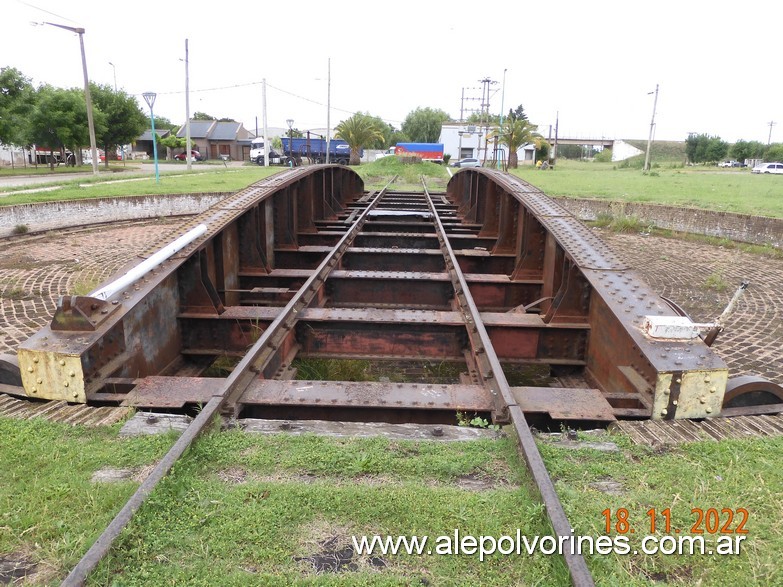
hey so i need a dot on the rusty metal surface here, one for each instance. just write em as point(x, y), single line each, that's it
point(564, 404)
point(673, 432)
point(60, 411)
point(341, 394)
point(171, 392)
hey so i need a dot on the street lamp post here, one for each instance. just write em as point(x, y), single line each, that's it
point(290, 123)
point(114, 68)
point(149, 98)
point(87, 97)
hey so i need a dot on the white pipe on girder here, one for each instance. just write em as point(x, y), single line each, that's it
point(142, 268)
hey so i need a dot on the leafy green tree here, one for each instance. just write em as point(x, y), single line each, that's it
point(388, 132)
point(542, 150)
point(517, 113)
point(478, 118)
point(397, 137)
point(774, 152)
point(124, 119)
point(704, 148)
point(172, 142)
point(59, 120)
point(202, 116)
point(359, 131)
point(742, 150)
point(515, 133)
point(16, 101)
point(423, 125)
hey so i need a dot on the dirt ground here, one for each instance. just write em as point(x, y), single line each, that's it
point(702, 278)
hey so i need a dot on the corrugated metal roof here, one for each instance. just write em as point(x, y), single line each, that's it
point(147, 136)
point(224, 131)
point(199, 129)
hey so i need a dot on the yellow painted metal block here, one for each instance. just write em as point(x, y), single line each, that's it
point(51, 375)
point(692, 394)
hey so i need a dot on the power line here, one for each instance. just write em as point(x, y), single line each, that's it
point(268, 85)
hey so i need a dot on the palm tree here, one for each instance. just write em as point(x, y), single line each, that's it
point(515, 133)
point(358, 130)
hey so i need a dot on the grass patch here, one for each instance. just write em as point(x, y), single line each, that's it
point(244, 509)
point(409, 175)
point(698, 187)
point(259, 510)
point(716, 281)
point(48, 506)
point(730, 474)
point(203, 179)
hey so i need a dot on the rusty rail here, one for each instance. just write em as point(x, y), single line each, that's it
point(239, 379)
point(494, 380)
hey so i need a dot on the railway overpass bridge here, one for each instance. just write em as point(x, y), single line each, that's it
point(604, 142)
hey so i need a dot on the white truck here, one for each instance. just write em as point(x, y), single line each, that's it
point(386, 153)
point(257, 146)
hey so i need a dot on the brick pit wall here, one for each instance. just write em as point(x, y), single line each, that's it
point(757, 230)
point(47, 216)
point(43, 217)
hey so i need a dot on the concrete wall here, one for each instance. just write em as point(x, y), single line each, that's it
point(47, 216)
point(759, 230)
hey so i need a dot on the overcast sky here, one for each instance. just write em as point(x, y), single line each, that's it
point(717, 63)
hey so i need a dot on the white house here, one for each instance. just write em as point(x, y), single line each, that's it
point(466, 140)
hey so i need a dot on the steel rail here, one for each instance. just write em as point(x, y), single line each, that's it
point(239, 379)
point(494, 378)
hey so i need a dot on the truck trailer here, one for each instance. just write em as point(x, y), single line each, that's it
point(314, 150)
point(426, 151)
point(310, 149)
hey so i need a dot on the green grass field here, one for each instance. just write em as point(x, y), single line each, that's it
point(243, 509)
point(729, 190)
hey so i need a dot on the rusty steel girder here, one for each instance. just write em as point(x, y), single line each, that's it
point(583, 281)
point(548, 290)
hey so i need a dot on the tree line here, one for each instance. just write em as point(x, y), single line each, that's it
point(704, 148)
point(57, 118)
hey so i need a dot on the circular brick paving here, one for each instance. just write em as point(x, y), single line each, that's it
point(35, 271)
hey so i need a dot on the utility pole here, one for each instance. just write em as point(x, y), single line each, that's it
point(266, 137)
point(502, 106)
point(328, 106)
point(554, 149)
point(87, 98)
point(187, 110)
point(769, 138)
point(484, 120)
point(652, 127)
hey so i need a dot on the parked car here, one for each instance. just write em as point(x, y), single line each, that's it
point(469, 162)
point(774, 167)
point(731, 163)
point(195, 155)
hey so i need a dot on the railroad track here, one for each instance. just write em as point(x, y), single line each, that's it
point(490, 389)
point(490, 276)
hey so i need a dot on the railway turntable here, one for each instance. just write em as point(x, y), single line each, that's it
point(490, 279)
